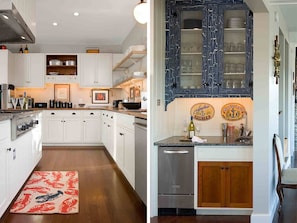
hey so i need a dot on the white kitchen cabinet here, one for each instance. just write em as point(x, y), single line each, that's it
point(108, 132)
point(29, 70)
point(6, 66)
point(71, 127)
point(4, 150)
point(92, 126)
point(95, 70)
point(125, 146)
point(62, 127)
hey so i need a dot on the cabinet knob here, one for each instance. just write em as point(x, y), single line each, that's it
point(73, 113)
point(121, 134)
point(53, 113)
point(205, 84)
point(91, 113)
point(8, 149)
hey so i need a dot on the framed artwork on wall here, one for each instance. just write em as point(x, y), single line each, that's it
point(100, 96)
point(62, 92)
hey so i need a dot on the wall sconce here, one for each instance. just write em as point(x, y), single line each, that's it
point(141, 12)
point(276, 58)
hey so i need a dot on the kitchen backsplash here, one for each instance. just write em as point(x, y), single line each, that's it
point(210, 127)
point(77, 94)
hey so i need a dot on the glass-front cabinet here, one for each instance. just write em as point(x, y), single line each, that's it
point(208, 49)
point(191, 49)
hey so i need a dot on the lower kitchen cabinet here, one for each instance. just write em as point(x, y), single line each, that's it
point(125, 146)
point(91, 126)
point(4, 151)
point(225, 184)
point(71, 127)
point(107, 126)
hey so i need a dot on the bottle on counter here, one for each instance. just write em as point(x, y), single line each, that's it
point(191, 129)
point(21, 50)
point(26, 50)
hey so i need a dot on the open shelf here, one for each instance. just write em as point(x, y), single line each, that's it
point(130, 59)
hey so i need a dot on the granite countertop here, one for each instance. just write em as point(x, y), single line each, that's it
point(139, 113)
point(211, 141)
point(7, 114)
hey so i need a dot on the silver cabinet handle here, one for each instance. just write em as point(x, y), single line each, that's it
point(176, 151)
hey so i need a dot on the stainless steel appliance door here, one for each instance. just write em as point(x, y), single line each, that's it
point(176, 170)
point(141, 158)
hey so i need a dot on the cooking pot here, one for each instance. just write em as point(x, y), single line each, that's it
point(55, 62)
point(70, 63)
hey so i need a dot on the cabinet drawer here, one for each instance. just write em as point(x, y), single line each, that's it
point(125, 120)
point(59, 113)
point(92, 113)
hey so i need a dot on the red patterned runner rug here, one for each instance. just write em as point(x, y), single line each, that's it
point(49, 192)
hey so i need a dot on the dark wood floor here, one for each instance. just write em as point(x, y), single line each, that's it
point(104, 195)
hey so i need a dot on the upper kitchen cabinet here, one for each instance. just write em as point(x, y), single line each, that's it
point(95, 69)
point(208, 49)
point(61, 68)
point(6, 66)
point(28, 71)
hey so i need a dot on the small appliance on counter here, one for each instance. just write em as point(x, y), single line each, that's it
point(6, 92)
point(115, 103)
point(40, 105)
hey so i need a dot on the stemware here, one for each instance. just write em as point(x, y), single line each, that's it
point(14, 102)
point(22, 102)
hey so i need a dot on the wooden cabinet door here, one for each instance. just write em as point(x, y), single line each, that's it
point(225, 184)
point(211, 184)
point(239, 184)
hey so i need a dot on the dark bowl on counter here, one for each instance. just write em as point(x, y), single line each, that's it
point(132, 105)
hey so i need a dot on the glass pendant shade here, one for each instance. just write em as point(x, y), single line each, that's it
point(141, 12)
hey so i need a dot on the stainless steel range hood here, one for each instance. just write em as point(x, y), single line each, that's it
point(13, 28)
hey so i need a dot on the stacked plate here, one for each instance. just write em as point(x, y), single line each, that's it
point(236, 23)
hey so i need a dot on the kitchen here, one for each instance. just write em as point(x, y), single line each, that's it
point(263, 109)
point(124, 74)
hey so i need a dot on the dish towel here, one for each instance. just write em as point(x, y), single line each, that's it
point(198, 139)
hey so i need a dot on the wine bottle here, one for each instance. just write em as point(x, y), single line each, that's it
point(191, 128)
point(26, 50)
point(21, 49)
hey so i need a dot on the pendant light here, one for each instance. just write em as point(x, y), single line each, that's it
point(141, 12)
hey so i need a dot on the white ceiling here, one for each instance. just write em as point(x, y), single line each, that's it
point(101, 22)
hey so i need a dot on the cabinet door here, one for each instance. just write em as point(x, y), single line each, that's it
point(120, 142)
point(53, 130)
point(92, 129)
point(104, 77)
point(239, 184)
point(72, 130)
point(21, 75)
point(4, 146)
point(36, 70)
point(235, 54)
point(88, 69)
point(211, 184)
point(129, 156)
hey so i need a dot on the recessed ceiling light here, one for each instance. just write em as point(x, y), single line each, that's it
point(22, 37)
point(76, 13)
point(5, 16)
point(55, 23)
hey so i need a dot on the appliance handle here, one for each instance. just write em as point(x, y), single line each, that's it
point(175, 151)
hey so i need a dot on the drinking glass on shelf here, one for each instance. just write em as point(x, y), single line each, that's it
point(14, 102)
point(22, 102)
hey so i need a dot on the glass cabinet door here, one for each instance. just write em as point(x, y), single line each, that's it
point(234, 63)
point(191, 49)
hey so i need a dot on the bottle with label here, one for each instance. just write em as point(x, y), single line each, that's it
point(21, 50)
point(26, 50)
point(191, 129)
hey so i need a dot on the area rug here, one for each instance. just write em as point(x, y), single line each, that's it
point(49, 192)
